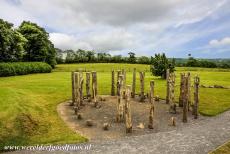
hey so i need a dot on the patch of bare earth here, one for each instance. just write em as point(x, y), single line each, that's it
point(107, 114)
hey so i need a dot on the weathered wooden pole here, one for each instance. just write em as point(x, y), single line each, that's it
point(134, 83)
point(73, 89)
point(189, 90)
point(88, 85)
point(142, 84)
point(94, 88)
point(81, 88)
point(120, 104)
point(128, 120)
point(124, 78)
point(167, 86)
point(181, 89)
point(77, 94)
point(185, 99)
point(151, 101)
point(172, 93)
point(118, 74)
point(113, 84)
point(94, 82)
point(196, 96)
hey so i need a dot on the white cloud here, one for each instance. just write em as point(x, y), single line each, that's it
point(222, 42)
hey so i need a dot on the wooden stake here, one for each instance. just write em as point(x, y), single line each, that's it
point(128, 120)
point(185, 99)
point(181, 89)
point(142, 94)
point(118, 74)
point(94, 88)
point(88, 85)
point(167, 84)
point(151, 101)
point(81, 88)
point(113, 84)
point(134, 83)
point(77, 94)
point(73, 89)
point(189, 90)
point(196, 96)
point(124, 78)
point(120, 104)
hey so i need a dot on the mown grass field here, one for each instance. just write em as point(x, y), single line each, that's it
point(28, 103)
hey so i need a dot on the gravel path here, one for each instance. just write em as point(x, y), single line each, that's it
point(199, 138)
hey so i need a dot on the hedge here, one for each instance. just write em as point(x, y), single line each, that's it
point(22, 68)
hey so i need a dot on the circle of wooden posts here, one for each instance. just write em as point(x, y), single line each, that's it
point(124, 93)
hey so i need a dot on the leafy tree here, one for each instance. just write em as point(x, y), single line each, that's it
point(38, 47)
point(11, 43)
point(143, 60)
point(132, 58)
point(160, 64)
point(91, 56)
point(192, 62)
point(70, 56)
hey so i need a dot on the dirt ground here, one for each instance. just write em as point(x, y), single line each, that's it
point(107, 114)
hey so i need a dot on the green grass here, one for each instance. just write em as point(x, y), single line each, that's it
point(224, 149)
point(28, 103)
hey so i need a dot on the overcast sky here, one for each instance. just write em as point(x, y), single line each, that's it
point(176, 27)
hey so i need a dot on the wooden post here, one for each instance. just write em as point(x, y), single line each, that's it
point(94, 88)
point(77, 94)
point(88, 85)
point(172, 93)
point(151, 101)
point(128, 120)
point(73, 89)
point(189, 90)
point(113, 84)
point(118, 74)
point(81, 88)
point(120, 104)
point(167, 86)
point(142, 83)
point(196, 96)
point(181, 89)
point(134, 83)
point(124, 78)
point(185, 99)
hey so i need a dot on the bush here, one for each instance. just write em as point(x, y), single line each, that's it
point(22, 68)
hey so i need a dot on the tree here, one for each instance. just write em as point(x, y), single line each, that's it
point(11, 43)
point(132, 58)
point(38, 47)
point(160, 64)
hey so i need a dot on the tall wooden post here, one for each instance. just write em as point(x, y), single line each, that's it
point(94, 88)
point(81, 88)
point(124, 78)
point(142, 94)
point(151, 101)
point(167, 86)
point(118, 74)
point(134, 83)
point(189, 91)
point(172, 93)
point(88, 85)
point(113, 84)
point(120, 104)
point(185, 99)
point(196, 96)
point(128, 120)
point(73, 88)
point(77, 94)
point(181, 89)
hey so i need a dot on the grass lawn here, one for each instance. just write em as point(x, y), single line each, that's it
point(224, 149)
point(28, 103)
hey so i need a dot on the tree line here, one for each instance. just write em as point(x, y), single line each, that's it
point(28, 42)
point(85, 56)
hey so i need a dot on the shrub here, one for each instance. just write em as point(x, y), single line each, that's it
point(22, 68)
